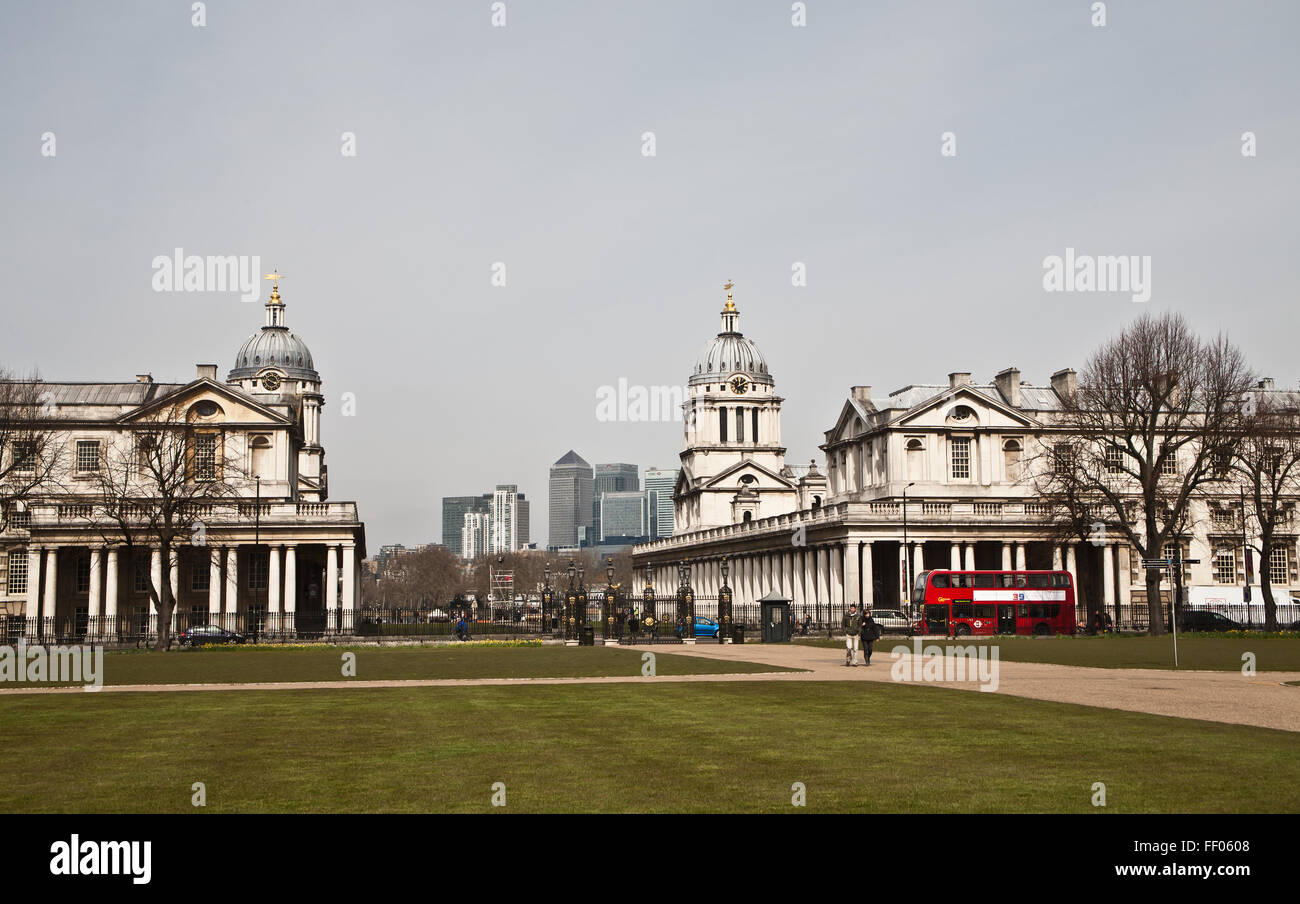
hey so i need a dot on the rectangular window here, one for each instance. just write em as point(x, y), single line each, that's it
point(19, 520)
point(258, 562)
point(1063, 458)
point(1225, 566)
point(1222, 462)
point(200, 576)
point(754, 434)
point(722, 424)
point(17, 572)
point(961, 458)
point(87, 456)
point(205, 456)
point(83, 574)
point(141, 573)
point(24, 457)
point(1169, 465)
point(1277, 566)
point(1114, 460)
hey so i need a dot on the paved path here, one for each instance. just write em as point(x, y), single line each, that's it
point(1262, 700)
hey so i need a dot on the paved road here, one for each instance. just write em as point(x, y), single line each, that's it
point(1261, 700)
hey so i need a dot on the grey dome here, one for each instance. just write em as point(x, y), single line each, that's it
point(274, 347)
point(727, 354)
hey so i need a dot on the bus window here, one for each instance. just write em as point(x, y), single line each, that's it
point(1024, 611)
point(984, 610)
point(1006, 579)
point(1020, 580)
point(984, 580)
point(1053, 610)
point(1061, 580)
point(937, 617)
point(961, 609)
point(959, 580)
point(1038, 580)
point(939, 580)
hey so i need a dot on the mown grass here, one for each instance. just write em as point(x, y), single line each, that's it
point(1197, 651)
point(435, 661)
point(699, 747)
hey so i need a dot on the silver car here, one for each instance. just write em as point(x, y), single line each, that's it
point(891, 621)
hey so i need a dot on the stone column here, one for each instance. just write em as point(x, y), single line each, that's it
point(332, 585)
point(1072, 567)
point(33, 608)
point(852, 571)
point(273, 619)
point(1056, 557)
point(94, 607)
point(1123, 568)
point(232, 588)
point(906, 593)
point(1108, 576)
point(868, 580)
point(290, 586)
point(175, 581)
point(835, 575)
point(155, 580)
point(969, 551)
point(349, 583)
point(110, 591)
point(214, 585)
point(1006, 556)
point(955, 556)
point(51, 606)
point(918, 562)
point(1020, 557)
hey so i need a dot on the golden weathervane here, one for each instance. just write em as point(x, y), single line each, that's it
point(730, 304)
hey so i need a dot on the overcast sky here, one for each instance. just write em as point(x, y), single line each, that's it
point(522, 144)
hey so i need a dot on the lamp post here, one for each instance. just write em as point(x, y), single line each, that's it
point(907, 555)
point(724, 605)
point(610, 602)
point(580, 608)
point(546, 598)
point(648, 616)
point(570, 608)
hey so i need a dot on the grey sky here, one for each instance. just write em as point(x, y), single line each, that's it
point(522, 144)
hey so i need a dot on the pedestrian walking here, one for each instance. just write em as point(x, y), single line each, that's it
point(852, 625)
point(870, 634)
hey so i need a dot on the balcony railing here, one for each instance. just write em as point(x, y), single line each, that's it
point(269, 513)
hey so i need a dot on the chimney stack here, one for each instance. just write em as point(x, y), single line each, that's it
point(1008, 383)
point(958, 379)
point(1265, 384)
point(144, 378)
point(1065, 382)
point(861, 394)
point(207, 371)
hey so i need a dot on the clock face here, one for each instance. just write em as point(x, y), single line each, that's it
point(271, 382)
point(739, 385)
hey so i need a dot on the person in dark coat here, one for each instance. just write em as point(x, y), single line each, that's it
point(870, 634)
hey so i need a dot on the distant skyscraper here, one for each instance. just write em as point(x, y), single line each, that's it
point(659, 483)
point(623, 517)
point(505, 519)
point(611, 478)
point(476, 534)
point(453, 516)
point(571, 491)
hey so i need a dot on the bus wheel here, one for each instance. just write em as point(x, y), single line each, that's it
point(961, 630)
point(1041, 629)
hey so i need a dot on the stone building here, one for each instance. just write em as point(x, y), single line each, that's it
point(949, 464)
point(273, 553)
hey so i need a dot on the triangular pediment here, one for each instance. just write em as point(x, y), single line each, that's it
point(990, 412)
point(730, 478)
point(235, 407)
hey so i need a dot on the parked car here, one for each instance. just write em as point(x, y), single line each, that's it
point(204, 634)
point(1194, 620)
point(891, 621)
point(704, 627)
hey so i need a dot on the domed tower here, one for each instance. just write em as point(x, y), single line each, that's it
point(276, 368)
point(733, 458)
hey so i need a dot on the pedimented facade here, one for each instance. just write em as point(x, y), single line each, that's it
point(960, 456)
point(271, 553)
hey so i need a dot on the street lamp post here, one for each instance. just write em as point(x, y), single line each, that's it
point(907, 556)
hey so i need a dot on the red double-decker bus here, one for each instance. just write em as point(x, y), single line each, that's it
point(959, 603)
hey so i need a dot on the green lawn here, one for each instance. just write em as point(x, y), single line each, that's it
point(711, 746)
point(1279, 654)
point(240, 664)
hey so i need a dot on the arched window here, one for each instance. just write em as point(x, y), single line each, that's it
point(1011, 452)
point(263, 460)
point(915, 459)
point(749, 516)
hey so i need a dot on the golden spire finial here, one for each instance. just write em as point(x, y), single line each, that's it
point(731, 306)
point(275, 276)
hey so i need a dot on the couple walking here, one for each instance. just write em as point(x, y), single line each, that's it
point(858, 630)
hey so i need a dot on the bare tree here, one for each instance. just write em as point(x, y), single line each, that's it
point(156, 489)
point(1265, 457)
point(29, 458)
point(1138, 437)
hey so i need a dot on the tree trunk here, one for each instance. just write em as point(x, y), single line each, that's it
point(1266, 581)
point(1155, 605)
